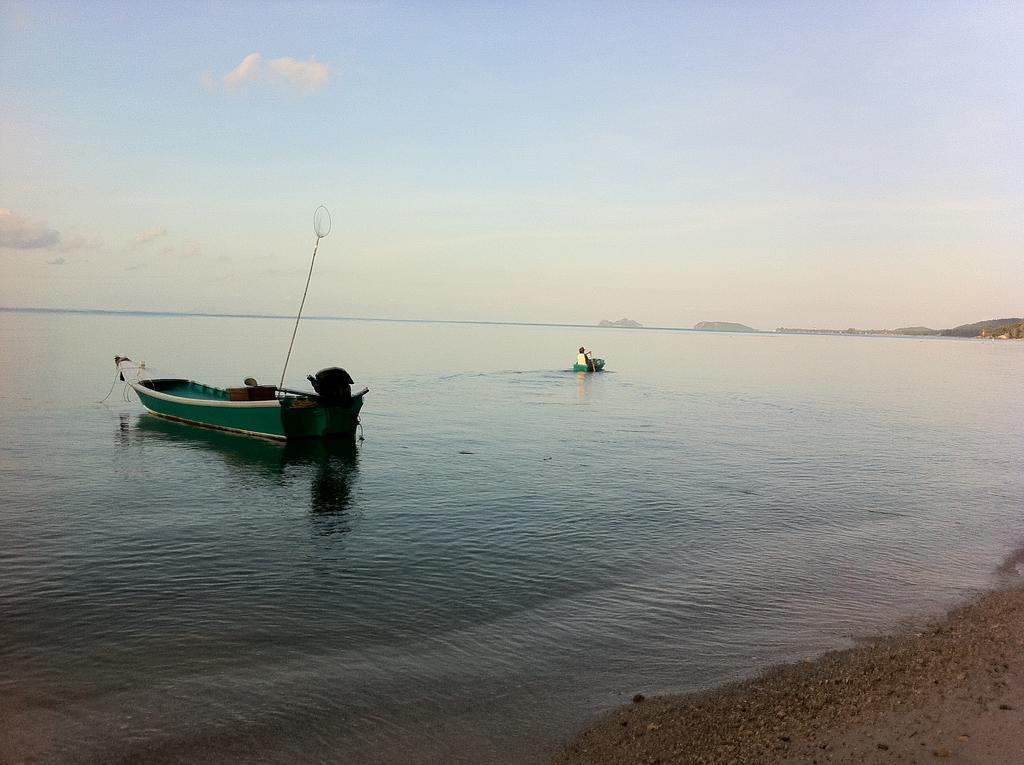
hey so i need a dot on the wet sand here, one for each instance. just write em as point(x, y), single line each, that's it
point(951, 692)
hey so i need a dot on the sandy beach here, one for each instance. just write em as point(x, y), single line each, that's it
point(950, 692)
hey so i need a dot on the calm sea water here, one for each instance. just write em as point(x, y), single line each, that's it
point(513, 548)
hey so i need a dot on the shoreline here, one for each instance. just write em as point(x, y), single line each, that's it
point(952, 690)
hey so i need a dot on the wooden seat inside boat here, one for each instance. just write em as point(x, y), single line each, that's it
point(253, 393)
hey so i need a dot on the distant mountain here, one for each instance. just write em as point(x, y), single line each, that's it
point(722, 326)
point(1009, 332)
point(914, 331)
point(989, 328)
point(629, 323)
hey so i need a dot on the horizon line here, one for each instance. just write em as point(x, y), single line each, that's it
point(213, 315)
point(491, 322)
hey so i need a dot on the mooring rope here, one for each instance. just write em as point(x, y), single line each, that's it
point(117, 373)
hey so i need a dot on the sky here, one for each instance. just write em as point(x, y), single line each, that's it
point(798, 164)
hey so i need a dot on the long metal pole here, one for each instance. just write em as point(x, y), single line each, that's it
point(299, 316)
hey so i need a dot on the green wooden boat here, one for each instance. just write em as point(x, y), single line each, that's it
point(255, 410)
point(598, 366)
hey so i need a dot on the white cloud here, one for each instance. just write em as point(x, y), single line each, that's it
point(20, 233)
point(299, 76)
point(56, 262)
point(249, 70)
point(154, 232)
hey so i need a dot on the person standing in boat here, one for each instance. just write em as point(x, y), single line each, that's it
point(585, 359)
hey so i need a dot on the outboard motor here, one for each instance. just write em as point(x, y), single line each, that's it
point(333, 385)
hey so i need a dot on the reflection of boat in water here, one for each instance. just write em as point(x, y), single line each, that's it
point(331, 464)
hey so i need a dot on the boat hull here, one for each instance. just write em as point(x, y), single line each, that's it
point(283, 419)
point(598, 366)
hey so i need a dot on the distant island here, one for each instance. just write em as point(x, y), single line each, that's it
point(628, 323)
point(1003, 329)
point(722, 326)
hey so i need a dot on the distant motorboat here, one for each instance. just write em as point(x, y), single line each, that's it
point(598, 366)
